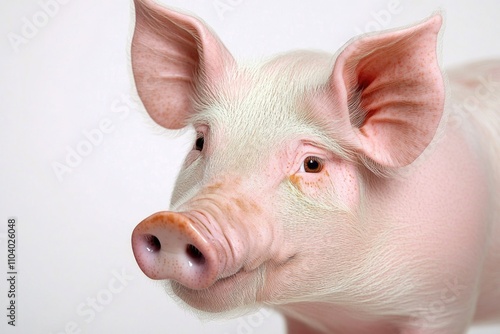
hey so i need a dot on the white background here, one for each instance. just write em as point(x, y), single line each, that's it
point(71, 75)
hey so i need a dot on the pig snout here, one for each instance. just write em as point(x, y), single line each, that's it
point(169, 245)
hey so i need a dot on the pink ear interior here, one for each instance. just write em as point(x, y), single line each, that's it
point(392, 90)
point(171, 53)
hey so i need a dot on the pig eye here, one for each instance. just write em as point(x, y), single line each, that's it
point(200, 141)
point(312, 165)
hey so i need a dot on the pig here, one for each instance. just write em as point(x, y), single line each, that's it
point(353, 193)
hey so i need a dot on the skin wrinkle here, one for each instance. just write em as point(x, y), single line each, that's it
point(209, 229)
point(216, 206)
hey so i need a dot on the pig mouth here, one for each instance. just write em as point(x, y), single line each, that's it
point(223, 281)
point(226, 292)
point(216, 298)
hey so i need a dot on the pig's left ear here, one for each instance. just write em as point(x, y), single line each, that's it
point(390, 87)
point(172, 55)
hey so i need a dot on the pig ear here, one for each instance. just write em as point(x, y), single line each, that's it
point(172, 53)
point(391, 89)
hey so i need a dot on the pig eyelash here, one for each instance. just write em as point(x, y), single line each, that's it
point(311, 164)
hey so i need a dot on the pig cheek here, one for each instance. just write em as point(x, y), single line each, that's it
point(318, 214)
point(346, 183)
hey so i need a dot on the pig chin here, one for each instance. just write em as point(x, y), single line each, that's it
point(224, 295)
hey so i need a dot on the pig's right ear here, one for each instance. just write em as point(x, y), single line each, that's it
point(389, 87)
point(172, 53)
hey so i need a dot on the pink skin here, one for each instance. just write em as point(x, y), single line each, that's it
point(347, 198)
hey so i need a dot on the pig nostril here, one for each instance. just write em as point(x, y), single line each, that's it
point(195, 254)
point(153, 245)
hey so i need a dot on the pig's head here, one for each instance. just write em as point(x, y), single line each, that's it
point(268, 207)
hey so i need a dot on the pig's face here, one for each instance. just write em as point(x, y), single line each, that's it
point(269, 205)
point(267, 174)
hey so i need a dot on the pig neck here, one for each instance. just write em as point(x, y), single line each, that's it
point(450, 199)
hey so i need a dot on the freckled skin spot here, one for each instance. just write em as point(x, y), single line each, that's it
point(247, 206)
point(159, 220)
point(226, 207)
point(242, 205)
point(213, 187)
point(256, 208)
point(295, 179)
